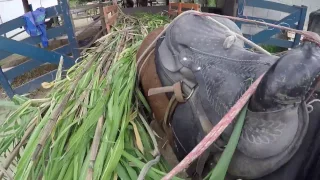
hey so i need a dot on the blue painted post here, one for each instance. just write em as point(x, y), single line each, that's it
point(68, 24)
point(33, 52)
point(240, 12)
point(302, 18)
point(5, 84)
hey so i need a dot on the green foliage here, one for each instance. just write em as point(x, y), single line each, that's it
point(211, 3)
point(273, 49)
point(101, 93)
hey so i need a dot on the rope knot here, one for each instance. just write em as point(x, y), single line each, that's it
point(230, 40)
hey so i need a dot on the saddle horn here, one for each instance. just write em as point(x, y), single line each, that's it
point(289, 79)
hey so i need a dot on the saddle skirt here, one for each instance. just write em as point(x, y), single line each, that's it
point(192, 52)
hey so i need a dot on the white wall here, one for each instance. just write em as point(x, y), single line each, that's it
point(45, 3)
point(11, 9)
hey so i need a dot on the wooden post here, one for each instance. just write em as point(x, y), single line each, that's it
point(26, 6)
point(179, 8)
point(103, 22)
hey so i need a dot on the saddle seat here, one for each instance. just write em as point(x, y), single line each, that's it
point(192, 52)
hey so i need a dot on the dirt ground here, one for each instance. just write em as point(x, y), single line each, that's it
point(29, 76)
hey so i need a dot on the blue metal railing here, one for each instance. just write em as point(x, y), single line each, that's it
point(38, 56)
point(295, 20)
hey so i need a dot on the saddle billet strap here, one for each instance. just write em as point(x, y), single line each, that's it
point(175, 99)
point(168, 114)
point(176, 88)
point(195, 170)
point(201, 114)
point(204, 121)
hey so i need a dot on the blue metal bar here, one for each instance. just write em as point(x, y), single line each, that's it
point(53, 11)
point(51, 33)
point(36, 83)
point(11, 25)
point(19, 21)
point(240, 11)
point(271, 5)
point(257, 19)
point(68, 23)
point(5, 84)
point(266, 34)
point(33, 52)
point(301, 21)
point(21, 69)
point(63, 50)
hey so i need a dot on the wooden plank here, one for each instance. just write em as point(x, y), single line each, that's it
point(103, 22)
point(190, 6)
point(271, 5)
point(33, 52)
point(68, 24)
point(301, 21)
point(264, 35)
point(109, 21)
point(173, 5)
point(21, 69)
point(109, 9)
point(149, 9)
point(178, 8)
point(51, 33)
point(112, 19)
point(173, 8)
point(5, 84)
point(36, 83)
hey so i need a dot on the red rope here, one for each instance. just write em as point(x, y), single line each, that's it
point(215, 132)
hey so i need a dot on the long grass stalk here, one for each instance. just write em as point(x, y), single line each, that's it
point(82, 129)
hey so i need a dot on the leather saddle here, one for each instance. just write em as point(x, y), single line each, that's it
point(192, 52)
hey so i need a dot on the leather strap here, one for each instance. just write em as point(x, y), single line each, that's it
point(201, 162)
point(175, 99)
point(168, 114)
point(176, 89)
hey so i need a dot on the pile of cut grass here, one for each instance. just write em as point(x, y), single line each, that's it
point(90, 126)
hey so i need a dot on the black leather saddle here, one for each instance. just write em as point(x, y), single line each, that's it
point(192, 52)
